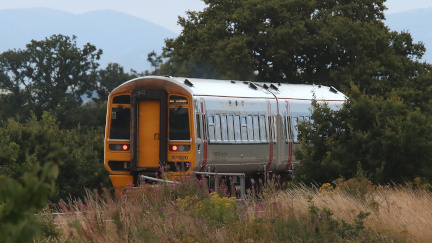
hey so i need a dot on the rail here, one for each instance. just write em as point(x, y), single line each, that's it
point(143, 177)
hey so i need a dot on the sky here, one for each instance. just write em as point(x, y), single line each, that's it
point(161, 12)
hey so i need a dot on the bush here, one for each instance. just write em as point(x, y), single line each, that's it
point(27, 143)
point(21, 199)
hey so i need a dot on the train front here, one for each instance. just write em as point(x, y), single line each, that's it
point(148, 131)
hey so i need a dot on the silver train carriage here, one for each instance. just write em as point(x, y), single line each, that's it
point(181, 125)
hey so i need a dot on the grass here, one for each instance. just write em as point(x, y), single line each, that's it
point(402, 213)
point(353, 211)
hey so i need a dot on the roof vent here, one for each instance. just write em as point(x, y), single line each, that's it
point(252, 85)
point(233, 82)
point(245, 82)
point(333, 89)
point(265, 86)
point(274, 87)
point(187, 82)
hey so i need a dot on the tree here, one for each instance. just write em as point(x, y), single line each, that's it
point(109, 78)
point(389, 138)
point(49, 75)
point(154, 59)
point(327, 42)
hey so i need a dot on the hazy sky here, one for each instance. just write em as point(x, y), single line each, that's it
point(161, 12)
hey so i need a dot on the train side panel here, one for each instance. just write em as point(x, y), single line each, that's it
point(239, 134)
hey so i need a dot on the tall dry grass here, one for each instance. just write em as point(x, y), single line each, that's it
point(353, 211)
point(402, 212)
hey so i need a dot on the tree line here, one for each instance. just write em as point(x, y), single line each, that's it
point(384, 128)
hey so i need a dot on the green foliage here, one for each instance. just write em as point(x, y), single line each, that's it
point(348, 230)
point(154, 59)
point(83, 168)
point(49, 75)
point(55, 75)
point(326, 42)
point(91, 115)
point(318, 224)
point(21, 198)
point(214, 208)
point(45, 219)
point(390, 138)
point(109, 78)
point(30, 142)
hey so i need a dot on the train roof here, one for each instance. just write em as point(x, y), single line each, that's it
point(245, 89)
point(235, 88)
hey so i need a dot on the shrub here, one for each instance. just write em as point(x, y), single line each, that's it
point(20, 201)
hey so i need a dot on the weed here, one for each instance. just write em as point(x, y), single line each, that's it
point(418, 184)
point(359, 188)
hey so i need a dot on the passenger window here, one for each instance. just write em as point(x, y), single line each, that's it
point(224, 128)
point(263, 133)
point(256, 128)
point(272, 128)
point(284, 131)
point(231, 128)
point(295, 129)
point(289, 128)
point(211, 128)
point(244, 129)
point(217, 128)
point(250, 128)
point(237, 128)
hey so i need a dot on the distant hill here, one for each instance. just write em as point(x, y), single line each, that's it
point(418, 23)
point(123, 38)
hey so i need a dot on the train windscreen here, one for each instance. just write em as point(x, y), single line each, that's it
point(179, 123)
point(120, 123)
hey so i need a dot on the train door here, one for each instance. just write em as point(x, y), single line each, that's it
point(201, 140)
point(148, 133)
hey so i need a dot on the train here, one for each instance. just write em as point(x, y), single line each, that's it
point(190, 126)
